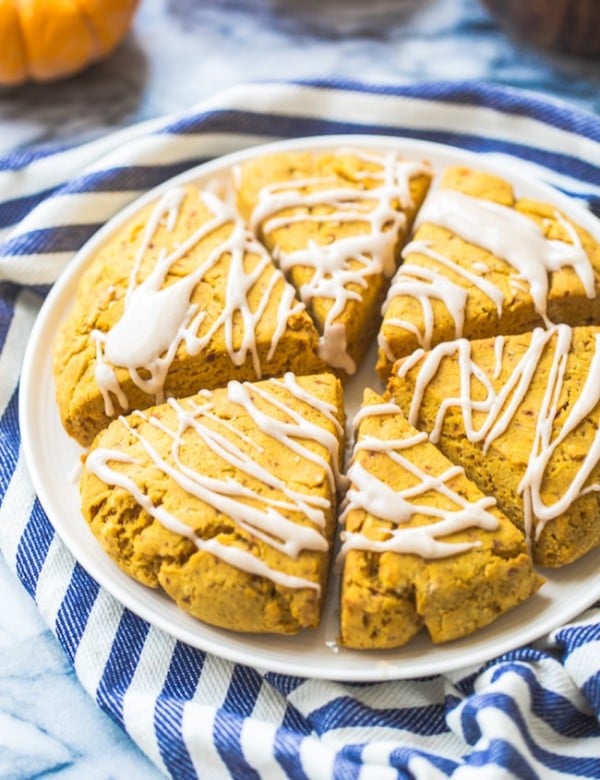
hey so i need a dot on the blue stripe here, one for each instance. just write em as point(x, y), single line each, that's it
point(16, 209)
point(507, 705)
point(227, 733)
point(555, 709)
point(286, 751)
point(9, 442)
point(294, 721)
point(122, 662)
point(239, 703)
point(8, 297)
point(347, 712)
point(21, 158)
point(75, 610)
point(66, 238)
point(243, 691)
point(168, 719)
point(135, 177)
point(181, 682)
point(572, 637)
point(591, 691)
point(284, 683)
point(400, 759)
point(499, 98)
point(33, 547)
point(346, 765)
point(504, 755)
point(278, 126)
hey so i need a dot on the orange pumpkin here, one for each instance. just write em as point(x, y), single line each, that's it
point(42, 40)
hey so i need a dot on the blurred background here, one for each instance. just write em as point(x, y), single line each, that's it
point(181, 51)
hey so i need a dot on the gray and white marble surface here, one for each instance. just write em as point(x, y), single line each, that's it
point(179, 52)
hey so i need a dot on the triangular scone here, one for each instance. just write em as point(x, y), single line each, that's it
point(181, 298)
point(336, 223)
point(422, 545)
point(226, 499)
point(483, 263)
point(522, 415)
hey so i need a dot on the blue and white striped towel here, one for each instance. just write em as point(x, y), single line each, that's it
point(534, 712)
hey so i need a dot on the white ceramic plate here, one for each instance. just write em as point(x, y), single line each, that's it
point(52, 458)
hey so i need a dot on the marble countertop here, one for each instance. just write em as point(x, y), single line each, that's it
point(179, 52)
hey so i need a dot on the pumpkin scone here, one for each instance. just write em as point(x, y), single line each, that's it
point(335, 222)
point(181, 298)
point(226, 500)
point(484, 262)
point(423, 547)
point(521, 414)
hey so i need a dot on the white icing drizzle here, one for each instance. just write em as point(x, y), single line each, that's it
point(428, 284)
point(374, 496)
point(372, 410)
point(499, 406)
point(501, 230)
point(260, 514)
point(514, 237)
point(346, 261)
point(159, 316)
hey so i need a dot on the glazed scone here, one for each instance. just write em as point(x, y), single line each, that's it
point(422, 545)
point(484, 263)
point(181, 298)
point(226, 500)
point(521, 414)
point(336, 223)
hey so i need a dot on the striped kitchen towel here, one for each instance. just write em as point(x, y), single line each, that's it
point(533, 712)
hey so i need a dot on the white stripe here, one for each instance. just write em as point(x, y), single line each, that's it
point(422, 769)
point(270, 705)
point(260, 731)
point(87, 208)
point(584, 662)
point(258, 745)
point(140, 699)
point(27, 306)
point(172, 148)
point(214, 682)
point(487, 772)
point(15, 510)
point(414, 113)
point(520, 167)
point(550, 674)
point(494, 723)
point(53, 581)
point(314, 694)
point(199, 715)
point(305, 101)
point(511, 684)
point(55, 169)
point(377, 773)
point(197, 731)
point(432, 743)
point(34, 269)
point(96, 642)
point(317, 759)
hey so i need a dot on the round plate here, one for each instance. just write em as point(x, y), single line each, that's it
point(52, 459)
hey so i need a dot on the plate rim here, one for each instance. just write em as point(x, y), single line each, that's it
point(378, 666)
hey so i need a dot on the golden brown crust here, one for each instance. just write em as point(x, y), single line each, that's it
point(387, 597)
point(567, 301)
point(360, 316)
point(500, 469)
point(200, 582)
point(100, 304)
